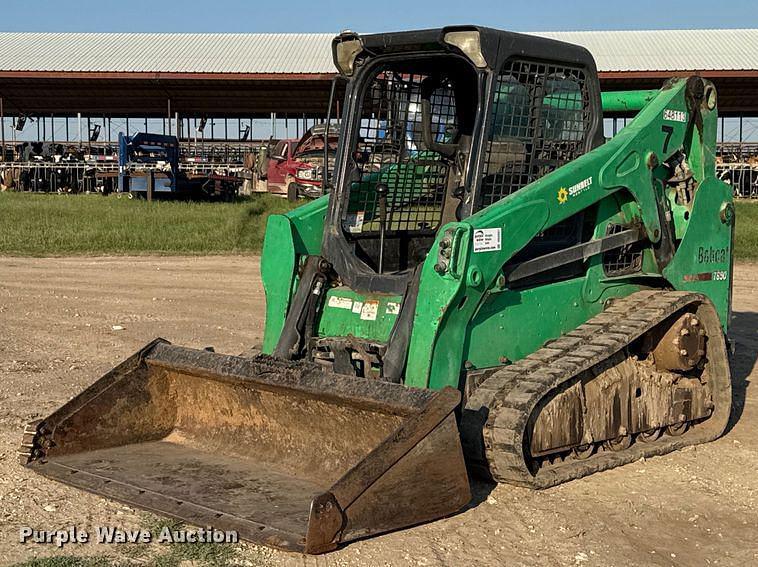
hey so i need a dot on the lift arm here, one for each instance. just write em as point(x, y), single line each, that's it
point(457, 274)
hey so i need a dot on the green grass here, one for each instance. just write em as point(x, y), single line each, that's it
point(211, 554)
point(200, 554)
point(58, 225)
point(746, 233)
point(63, 225)
point(67, 561)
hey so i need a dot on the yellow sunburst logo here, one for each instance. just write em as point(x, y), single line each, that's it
point(563, 195)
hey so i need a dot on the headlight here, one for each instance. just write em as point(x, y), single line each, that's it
point(469, 43)
point(346, 48)
point(306, 174)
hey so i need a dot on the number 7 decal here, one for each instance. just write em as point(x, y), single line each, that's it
point(668, 130)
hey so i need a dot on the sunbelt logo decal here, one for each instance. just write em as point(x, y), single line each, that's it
point(576, 189)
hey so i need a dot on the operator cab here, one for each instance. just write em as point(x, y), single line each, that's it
point(440, 124)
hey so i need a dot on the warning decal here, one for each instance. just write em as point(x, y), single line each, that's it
point(340, 302)
point(393, 308)
point(370, 310)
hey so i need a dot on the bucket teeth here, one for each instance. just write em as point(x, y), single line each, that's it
point(29, 442)
point(32, 427)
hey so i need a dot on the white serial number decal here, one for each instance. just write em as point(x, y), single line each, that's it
point(675, 115)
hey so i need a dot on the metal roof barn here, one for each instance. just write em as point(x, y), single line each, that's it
point(222, 53)
point(257, 74)
point(670, 50)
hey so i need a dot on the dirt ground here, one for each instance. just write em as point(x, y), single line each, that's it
point(59, 321)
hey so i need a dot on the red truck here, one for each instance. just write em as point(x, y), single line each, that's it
point(296, 167)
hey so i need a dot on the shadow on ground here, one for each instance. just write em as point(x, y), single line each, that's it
point(743, 333)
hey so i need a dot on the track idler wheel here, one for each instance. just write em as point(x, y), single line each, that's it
point(620, 443)
point(677, 429)
point(682, 346)
point(583, 451)
point(650, 436)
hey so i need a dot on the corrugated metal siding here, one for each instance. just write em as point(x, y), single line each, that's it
point(677, 50)
point(670, 50)
point(166, 53)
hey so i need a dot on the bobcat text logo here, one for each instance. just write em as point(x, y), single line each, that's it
point(712, 255)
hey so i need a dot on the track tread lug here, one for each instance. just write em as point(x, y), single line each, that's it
point(545, 354)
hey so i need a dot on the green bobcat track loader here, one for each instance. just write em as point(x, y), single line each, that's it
point(489, 287)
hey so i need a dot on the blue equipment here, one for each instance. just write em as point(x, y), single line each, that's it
point(144, 155)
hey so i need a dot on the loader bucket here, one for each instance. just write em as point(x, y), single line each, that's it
point(286, 454)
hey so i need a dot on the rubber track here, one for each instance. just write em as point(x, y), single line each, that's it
point(495, 418)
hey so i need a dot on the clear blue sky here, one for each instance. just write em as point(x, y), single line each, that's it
point(368, 15)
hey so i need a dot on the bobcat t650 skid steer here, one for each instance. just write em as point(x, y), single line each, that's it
point(489, 287)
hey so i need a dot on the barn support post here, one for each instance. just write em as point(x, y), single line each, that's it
point(722, 129)
point(2, 128)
